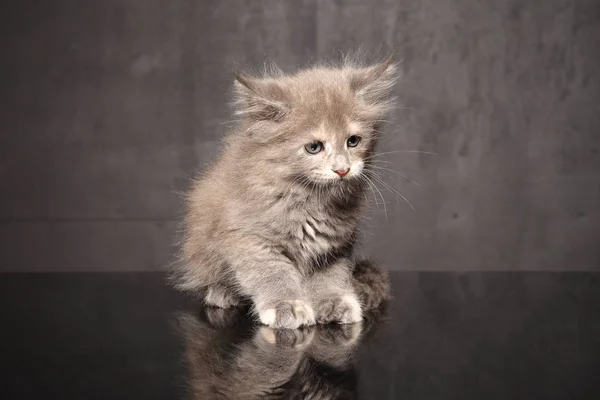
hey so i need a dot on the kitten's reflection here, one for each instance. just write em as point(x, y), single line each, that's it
point(229, 357)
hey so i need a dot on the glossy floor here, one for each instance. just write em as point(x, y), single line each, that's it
point(444, 336)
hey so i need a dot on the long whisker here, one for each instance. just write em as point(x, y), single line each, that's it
point(385, 121)
point(364, 180)
point(364, 193)
point(380, 161)
point(297, 179)
point(378, 191)
point(305, 183)
point(230, 122)
point(378, 179)
point(401, 151)
point(396, 172)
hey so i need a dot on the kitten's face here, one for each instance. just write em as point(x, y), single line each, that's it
point(319, 124)
point(334, 155)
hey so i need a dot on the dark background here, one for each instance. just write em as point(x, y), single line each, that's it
point(109, 107)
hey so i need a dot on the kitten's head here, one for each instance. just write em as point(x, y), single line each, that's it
point(320, 124)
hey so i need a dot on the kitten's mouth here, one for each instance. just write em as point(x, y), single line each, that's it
point(322, 181)
point(337, 181)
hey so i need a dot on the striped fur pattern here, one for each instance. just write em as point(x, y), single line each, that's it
point(271, 222)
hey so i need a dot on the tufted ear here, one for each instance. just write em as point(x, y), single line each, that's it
point(259, 99)
point(374, 83)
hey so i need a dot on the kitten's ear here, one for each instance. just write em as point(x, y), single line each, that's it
point(375, 83)
point(259, 99)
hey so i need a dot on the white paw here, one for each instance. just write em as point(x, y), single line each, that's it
point(267, 317)
point(288, 314)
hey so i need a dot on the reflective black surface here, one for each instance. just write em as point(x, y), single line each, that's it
point(444, 336)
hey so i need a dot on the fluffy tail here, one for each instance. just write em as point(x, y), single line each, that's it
point(371, 284)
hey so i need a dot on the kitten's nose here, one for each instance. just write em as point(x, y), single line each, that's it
point(342, 172)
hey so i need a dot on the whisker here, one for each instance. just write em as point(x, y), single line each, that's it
point(380, 194)
point(234, 121)
point(380, 161)
point(364, 179)
point(378, 179)
point(289, 187)
point(396, 172)
point(401, 151)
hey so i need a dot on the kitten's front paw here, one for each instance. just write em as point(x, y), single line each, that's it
point(343, 310)
point(288, 314)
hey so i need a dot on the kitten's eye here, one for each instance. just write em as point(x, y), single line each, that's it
point(353, 141)
point(314, 147)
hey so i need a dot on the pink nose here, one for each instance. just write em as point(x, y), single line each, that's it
point(342, 172)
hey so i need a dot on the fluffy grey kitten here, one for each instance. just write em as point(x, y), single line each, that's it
point(275, 218)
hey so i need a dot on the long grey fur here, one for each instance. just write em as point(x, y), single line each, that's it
point(272, 223)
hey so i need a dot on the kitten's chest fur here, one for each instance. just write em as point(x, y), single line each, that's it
point(316, 232)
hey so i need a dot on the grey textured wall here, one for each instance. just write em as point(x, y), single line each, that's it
point(109, 106)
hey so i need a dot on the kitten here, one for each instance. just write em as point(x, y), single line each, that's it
point(275, 218)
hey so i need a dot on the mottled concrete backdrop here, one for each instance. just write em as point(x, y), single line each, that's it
point(109, 106)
